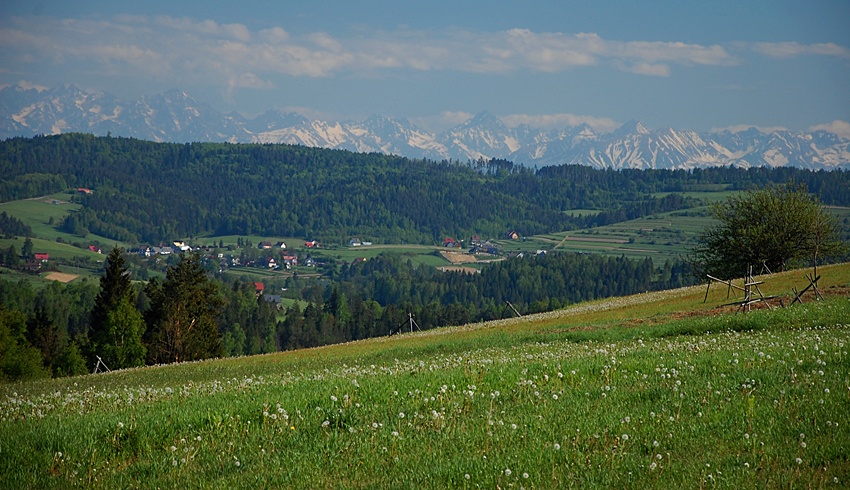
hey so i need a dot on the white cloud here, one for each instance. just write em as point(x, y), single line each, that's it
point(179, 51)
point(29, 86)
point(739, 128)
point(559, 121)
point(249, 80)
point(651, 69)
point(841, 128)
point(442, 121)
point(275, 35)
point(792, 49)
point(207, 27)
point(182, 42)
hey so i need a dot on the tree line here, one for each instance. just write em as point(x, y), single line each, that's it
point(189, 314)
point(149, 192)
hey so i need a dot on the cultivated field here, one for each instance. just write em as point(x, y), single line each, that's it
point(655, 390)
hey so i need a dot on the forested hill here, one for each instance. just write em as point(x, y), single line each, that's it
point(147, 192)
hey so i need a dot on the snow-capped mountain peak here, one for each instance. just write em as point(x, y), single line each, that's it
point(26, 110)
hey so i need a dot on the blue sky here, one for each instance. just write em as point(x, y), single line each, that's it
point(688, 65)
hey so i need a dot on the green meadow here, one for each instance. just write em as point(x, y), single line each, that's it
point(660, 390)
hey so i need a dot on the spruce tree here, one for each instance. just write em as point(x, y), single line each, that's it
point(183, 319)
point(26, 251)
point(116, 326)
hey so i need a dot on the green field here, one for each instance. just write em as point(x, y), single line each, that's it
point(656, 390)
point(662, 237)
point(37, 214)
point(666, 236)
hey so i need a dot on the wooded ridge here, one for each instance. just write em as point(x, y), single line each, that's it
point(149, 192)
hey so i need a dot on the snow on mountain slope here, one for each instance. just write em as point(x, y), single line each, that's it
point(176, 116)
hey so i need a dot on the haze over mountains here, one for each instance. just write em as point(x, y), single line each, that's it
point(175, 116)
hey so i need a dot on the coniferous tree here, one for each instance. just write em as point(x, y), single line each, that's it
point(183, 319)
point(116, 327)
point(26, 250)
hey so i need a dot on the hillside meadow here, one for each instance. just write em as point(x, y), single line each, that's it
point(656, 390)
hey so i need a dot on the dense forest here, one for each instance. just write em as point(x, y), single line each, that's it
point(146, 192)
point(62, 330)
point(376, 297)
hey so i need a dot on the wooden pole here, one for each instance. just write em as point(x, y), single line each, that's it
point(514, 309)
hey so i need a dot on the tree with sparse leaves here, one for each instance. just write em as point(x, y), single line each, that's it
point(776, 227)
point(182, 321)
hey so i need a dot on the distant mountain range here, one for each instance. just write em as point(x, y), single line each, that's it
point(175, 116)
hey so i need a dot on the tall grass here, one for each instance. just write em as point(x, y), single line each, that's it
point(756, 400)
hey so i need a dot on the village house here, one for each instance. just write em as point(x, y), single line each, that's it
point(484, 248)
point(275, 299)
point(451, 243)
point(267, 262)
point(290, 261)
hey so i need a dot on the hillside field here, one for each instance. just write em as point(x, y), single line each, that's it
point(659, 390)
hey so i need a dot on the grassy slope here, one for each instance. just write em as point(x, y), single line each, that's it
point(656, 390)
point(37, 213)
